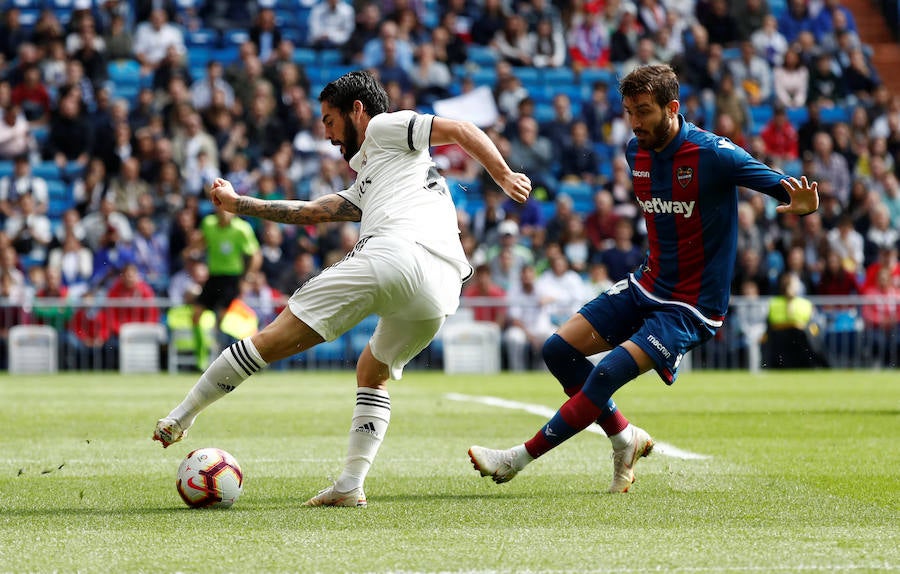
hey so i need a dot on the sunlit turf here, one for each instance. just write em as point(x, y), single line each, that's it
point(803, 473)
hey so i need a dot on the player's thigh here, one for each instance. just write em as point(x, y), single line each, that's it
point(396, 341)
point(604, 322)
point(284, 337)
point(341, 296)
point(667, 335)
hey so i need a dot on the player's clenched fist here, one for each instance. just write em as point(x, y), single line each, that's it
point(223, 195)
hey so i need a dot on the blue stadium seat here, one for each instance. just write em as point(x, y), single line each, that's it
point(46, 169)
point(226, 54)
point(527, 75)
point(6, 167)
point(36, 4)
point(759, 116)
point(580, 192)
point(124, 71)
point(798, 116)
point(557, 76)
point(483, 56)
point(305, 56)
point(199, 55)
point(331, 351)
point(235, 37)
point(836, 114)
point(484, 77)
point(590, 76)
point(60, 198)
point(201, 37)
point(330, 58)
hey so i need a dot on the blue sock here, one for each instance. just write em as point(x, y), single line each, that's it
point(616, 369)
point(571, 369)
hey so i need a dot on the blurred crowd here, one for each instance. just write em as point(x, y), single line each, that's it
point(105, 186)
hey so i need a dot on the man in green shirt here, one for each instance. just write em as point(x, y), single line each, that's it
point(231, 251)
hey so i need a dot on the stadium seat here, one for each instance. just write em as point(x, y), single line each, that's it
point(471, 347)
point(527, 75)
point(482, 56)
point(124, 71)
point(330, 352)
point(590, 76)
point(305, 56)
point(33, 349)
point(553, 76)
point(60, 198)
point(330, 58)
point(201, 37)
point(6, 167)
point(484, 77)
point(46, 169)
point(836, 114)
point(140, 346)
point(235, 37)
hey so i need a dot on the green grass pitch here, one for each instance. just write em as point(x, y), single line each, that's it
point(801, 473)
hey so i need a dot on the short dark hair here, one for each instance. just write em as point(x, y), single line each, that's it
point(659, 81)
point(356, 85)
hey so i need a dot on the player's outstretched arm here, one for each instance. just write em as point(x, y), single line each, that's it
point(331, 207)
point(477, 144)
point(804, 196)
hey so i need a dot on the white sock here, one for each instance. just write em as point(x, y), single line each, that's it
point(370, 421)
point(522, 457)
point(231, 368)
point(622, 439)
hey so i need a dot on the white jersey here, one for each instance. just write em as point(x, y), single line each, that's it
point(399, 190)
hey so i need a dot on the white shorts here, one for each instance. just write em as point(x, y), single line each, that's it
point(411, 289)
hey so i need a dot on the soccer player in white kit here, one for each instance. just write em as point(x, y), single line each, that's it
point(408, 266)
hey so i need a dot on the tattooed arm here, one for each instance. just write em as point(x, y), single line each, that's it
point(331, 207)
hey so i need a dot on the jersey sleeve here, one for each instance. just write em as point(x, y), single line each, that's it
point(403, 130)
point(351, 194)
point(748, 171)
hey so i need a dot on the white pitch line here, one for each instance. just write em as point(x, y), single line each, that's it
point(662, 448)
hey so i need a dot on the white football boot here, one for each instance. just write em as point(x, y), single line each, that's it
point(330, 497)
point(624, 459)
point(500, 465)
point(168, 431)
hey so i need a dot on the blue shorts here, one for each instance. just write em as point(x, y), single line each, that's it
point(665, 331)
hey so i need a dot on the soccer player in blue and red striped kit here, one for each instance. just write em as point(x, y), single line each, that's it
point(685, 181)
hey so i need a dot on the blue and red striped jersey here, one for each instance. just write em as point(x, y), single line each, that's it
point(688, 192)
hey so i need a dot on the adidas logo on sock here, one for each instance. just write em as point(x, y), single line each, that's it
point(224, 387)
point(367, 428)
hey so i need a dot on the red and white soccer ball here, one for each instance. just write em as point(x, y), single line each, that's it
point(209, 478)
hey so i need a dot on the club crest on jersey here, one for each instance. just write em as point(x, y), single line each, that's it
point(684, 175)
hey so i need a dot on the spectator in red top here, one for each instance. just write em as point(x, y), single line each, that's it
point(887, 259)
point(835, 278)
point(882, 319)
point(33, 96)
point(782, 142)
point(132, 287)
point(600, 224)
point(482, 286)
point(88, 343)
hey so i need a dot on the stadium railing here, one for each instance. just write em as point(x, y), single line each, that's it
point(837, 336)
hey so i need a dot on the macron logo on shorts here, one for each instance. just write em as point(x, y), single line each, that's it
point(657, 344)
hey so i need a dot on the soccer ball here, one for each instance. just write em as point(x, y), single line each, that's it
point(209, 478)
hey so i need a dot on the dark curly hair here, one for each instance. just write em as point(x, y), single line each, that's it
point(659, 81)
point(356, 85)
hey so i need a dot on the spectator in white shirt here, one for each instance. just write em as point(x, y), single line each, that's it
point(14, 134)
point(21, 183)
point(331, 23)
point(153, 38)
